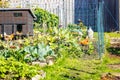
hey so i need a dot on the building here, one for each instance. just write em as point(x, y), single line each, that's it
point(16, 20)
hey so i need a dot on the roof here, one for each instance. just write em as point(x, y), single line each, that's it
point(18, 9)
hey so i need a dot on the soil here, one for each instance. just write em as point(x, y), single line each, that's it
point(111, 55)
point(110, 76)
point(114, 66)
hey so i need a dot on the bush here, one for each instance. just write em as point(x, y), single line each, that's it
point(10, 69)
point(45, 18)
point(114, 50)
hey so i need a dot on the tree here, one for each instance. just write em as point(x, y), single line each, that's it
point(4, 4)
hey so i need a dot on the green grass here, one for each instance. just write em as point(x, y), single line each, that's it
point(113, 34)
point(80, 69)
point(108, 35)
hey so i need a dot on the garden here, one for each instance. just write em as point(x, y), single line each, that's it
point(57, 53)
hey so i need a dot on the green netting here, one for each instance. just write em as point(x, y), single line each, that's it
point(100, 29)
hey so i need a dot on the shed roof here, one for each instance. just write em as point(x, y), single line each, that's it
point(19, 9)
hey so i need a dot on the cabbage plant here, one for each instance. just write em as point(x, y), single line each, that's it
point(38, 52)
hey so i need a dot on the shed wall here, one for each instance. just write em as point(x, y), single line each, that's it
point(8, 17)
point(10, 22)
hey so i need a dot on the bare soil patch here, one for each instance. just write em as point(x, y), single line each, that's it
point(110, 76)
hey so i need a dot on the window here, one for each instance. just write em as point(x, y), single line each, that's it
point(19, 27)
point(17, 14)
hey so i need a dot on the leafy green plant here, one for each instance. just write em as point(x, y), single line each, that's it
point(10, 69)
point(5, 53)
point(109, 47)
point(60, 39)
point(114, 50)
point(38, 52)
point(17, 54)
point(81, 24)
point(90, 48)
point(73, 26)
point(67, 41)
point(45, 18)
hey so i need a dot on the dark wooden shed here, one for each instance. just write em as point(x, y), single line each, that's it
point(16, 20)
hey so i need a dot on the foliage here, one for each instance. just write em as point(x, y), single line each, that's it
point(60, 42)
point(114, 50)
point(91, 48)
point(82, 26)
point(38, 52)
point(4, 4)
point(88, 49)
point(75, 30)
point(77, 26)
point(113, 34)
point(11, 69)
point(45, 18)
point(109, 48)
point(65, 40)
point(78, 30)
point(73, 26)
point(59, 39)
point(17, 54)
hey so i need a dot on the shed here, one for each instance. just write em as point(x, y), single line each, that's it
point(16, 20)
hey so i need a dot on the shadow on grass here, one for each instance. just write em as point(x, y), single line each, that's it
point(75, 74)
point(71, 77)
point(82, 71)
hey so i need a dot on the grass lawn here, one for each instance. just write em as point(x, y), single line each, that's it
point(113, 34)
point(81, 69)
